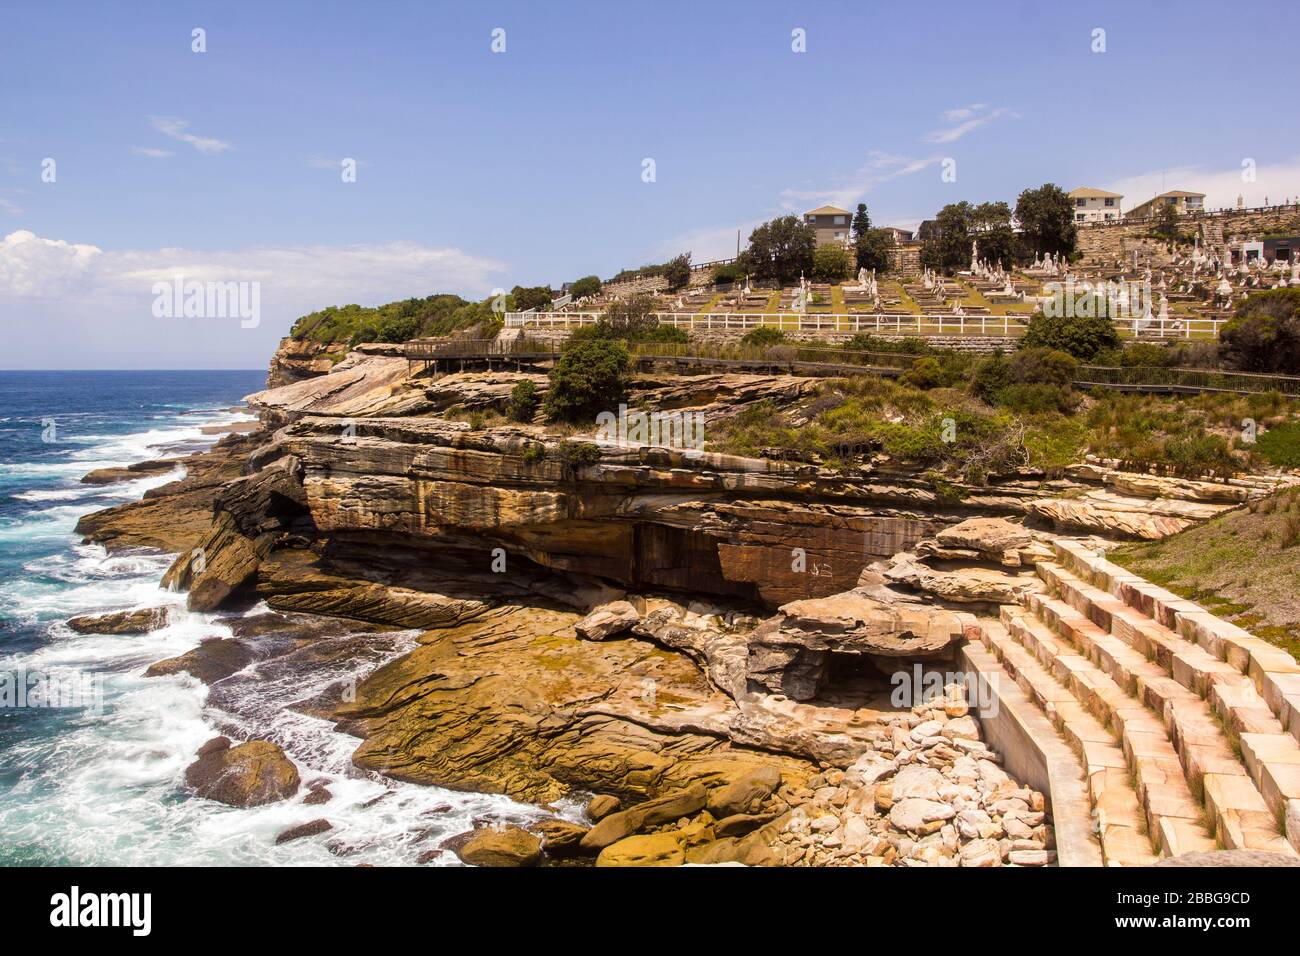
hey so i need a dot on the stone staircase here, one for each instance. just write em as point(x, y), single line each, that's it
point(1188, 727)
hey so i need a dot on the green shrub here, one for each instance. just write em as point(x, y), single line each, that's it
point(1281, 445)
point(763, 335)
point(522, 404)
point(1200, 454)
point(1031, 380)
point(590, 376)
point(925, 373)
point(728, 272)
point(576, 454)
point(1264, 333)
point(1147, 354)
point(830, 263)
point(1084, 338)
point(864, 342)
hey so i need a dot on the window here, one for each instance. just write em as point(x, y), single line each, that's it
point(1110, 202)
point(839, 220)
point(839, 235)
point(1080, 216)
point(1080, 202)
point(1110, 215)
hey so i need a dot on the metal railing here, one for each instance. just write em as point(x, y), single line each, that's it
point(1151, 378)
point(816, 358)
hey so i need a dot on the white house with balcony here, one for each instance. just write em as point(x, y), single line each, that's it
point(1094, 205)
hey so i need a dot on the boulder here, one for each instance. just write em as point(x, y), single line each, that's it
point(654, 849)
point(744, 794)
point(669, 807)
point(251, 774)
point(305, 830)
point(139, 469)
point(601, 805)
point(964, 586)
point(560, 838)
point(913, 813)
point(981, 853)
point(210, 662)
point(121, 622)
point(607, 620)
point(512, 846)
point(995, 538)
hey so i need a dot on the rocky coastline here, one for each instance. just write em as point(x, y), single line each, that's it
point(703, 648)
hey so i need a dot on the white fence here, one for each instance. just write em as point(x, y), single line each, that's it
point(935, 323)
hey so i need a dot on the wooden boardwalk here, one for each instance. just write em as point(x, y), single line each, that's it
point(799, 360)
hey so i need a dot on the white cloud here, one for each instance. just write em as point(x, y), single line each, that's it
point(32, 266)
point(151, 152)
point(1221, 187)
point(293, 277)
point(11, 207)
point(965, 119)
point(176, 129)
point(880, 167)
point(708, 243)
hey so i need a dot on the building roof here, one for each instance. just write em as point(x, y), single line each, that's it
point(1180, 193)
point(1087, 192)
point(827, 211)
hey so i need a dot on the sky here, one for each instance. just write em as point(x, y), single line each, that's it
point(497, 144)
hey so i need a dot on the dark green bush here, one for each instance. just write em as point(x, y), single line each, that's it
point(1264, 333)
point(763, 335)
point(522, 404)
point(590, 377)
point(1084, 338)
point(578, 453)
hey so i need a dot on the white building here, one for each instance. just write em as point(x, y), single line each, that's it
point(1094, 205)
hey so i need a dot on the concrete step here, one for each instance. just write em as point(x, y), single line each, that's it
point(1121, 825)
point(1229, 695)
point(1173, 814)
point(1273, 672)
point(1166, 727)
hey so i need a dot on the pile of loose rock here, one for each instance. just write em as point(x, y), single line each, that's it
point(934, 796)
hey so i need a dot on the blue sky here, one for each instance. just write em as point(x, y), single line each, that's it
point(479, 169)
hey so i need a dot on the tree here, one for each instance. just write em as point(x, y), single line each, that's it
point(780, 250)
point(990, 225)
point(1083, 337)
point(398, 328)
point(677, 271)
point(587, 285)
point(874, 249)
point(1167, 221)
point(525, 298)
point(591, 376)
point(728, 272)
point(1264, 333)
point(861, 221)
point(948, 247)
point(1046, 217)
point(830, 263)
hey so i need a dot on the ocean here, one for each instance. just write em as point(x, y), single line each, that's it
point(99, 780)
